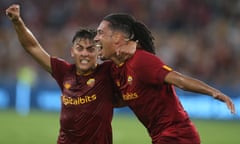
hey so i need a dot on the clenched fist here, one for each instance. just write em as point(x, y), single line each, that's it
point(13, 12)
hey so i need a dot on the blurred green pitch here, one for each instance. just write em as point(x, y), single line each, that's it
point(42, 128)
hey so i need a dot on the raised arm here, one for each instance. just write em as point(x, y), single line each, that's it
point(27, 39)
point(190, 84)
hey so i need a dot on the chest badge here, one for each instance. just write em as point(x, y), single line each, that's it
point(67, 85)
point(91, 82)
point(129, 80)
point(118, 83)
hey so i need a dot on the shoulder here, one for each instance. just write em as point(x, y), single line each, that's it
point(143, 58)
point(106, 64)
point(148, 67)
point(104, 67)
point(59, 64)
point(59, 60)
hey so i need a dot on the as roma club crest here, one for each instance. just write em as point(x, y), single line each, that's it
point(118, 83)
point(129, 79)
point(67, 85)
point(91, 82)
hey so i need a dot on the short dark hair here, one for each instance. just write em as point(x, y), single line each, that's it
point(133, 29)
point(85, 33)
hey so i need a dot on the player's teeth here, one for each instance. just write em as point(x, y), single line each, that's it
point(84, 61)
point(99, 46)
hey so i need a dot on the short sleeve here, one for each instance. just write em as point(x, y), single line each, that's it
point(150, 69)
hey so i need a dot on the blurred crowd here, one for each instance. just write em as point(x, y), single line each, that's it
point(200, 38)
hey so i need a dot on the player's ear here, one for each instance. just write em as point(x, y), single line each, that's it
point(119, 39)
point(72, 53)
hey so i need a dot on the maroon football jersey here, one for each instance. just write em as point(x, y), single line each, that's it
point(86, 104)
point(154, 102)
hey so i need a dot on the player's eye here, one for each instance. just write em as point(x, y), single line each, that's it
point(99, 32)
point(79, 48)
point(91, 49)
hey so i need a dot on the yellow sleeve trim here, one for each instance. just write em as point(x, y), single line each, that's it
point(167, 68)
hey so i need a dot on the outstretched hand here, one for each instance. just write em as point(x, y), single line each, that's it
point(13, 12)
point(220, 96)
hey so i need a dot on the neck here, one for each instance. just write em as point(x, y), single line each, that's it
point(120, 60)
point(87, 72)
point(83, 73)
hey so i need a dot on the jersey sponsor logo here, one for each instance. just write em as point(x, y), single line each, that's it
point(91, 82)
point(167, 68)
point(130, 96)
point(79, 100)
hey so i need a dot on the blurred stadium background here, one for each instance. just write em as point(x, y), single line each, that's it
point(200, 38)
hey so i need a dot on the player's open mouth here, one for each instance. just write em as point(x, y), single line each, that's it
point(99, 46)
point(84, 61)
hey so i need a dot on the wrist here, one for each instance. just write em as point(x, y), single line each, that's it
point(16, 20)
